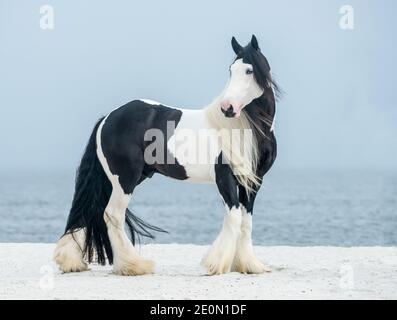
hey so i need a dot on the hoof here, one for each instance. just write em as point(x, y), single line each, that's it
point(69, 265)
point(68, 256)
point(216, 263)
point(250, 266)
point(135, 267)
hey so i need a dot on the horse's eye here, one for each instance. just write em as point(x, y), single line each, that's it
point(248, 71)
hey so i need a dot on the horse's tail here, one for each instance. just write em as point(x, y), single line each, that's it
point(91, 196)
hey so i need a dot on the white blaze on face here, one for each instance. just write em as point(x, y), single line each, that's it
point(242, 87)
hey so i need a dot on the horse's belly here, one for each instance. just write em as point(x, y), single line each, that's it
point(200, 173)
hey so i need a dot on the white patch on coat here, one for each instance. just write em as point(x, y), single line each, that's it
point(220, 257)
point(68, 253)
point(195, 146)
point(245, 260)
point(156, 103)
point(218, 130)
point(149, 101)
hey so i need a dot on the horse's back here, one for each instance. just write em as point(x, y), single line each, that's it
point(136, 117)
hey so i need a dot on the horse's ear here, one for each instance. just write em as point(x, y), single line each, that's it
point(236, 46)
point(254, 42)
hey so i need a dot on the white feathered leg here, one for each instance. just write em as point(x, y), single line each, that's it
point(220, 257)
point(126, 260)
point(69, 252)
point(245, 260)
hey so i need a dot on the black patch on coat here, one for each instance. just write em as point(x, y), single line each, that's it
point(123, 145)
point(226, 182)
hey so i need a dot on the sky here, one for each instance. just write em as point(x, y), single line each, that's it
point(338, 110)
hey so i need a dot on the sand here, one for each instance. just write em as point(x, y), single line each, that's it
point(27, 272)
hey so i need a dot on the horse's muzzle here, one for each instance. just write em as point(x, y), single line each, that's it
point(229, 113)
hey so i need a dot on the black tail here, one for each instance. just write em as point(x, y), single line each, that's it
point(91, 196)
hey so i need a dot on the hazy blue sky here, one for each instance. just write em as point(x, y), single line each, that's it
point(340, 103)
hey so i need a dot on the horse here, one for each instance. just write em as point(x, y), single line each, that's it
point(124, 149)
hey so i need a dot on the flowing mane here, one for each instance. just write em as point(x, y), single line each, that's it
point(240, 150)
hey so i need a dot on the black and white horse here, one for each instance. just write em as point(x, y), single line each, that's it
point(145, 137)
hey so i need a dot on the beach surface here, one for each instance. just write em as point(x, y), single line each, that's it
point(27, 272)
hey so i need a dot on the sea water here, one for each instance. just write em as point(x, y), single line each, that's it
point(294, 207)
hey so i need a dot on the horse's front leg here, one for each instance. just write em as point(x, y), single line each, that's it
point(245, 260)
point(220, 257)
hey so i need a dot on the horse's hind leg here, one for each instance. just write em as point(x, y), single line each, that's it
point(126, 260)
point(69, 252)
point(126, 173)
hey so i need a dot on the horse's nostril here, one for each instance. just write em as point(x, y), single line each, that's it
point(229, 113)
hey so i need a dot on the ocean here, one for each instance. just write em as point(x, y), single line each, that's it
point(294, 207)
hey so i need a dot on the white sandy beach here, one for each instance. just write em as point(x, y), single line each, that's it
point(27, 272)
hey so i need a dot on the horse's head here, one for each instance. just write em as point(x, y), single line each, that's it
point(249, 78)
